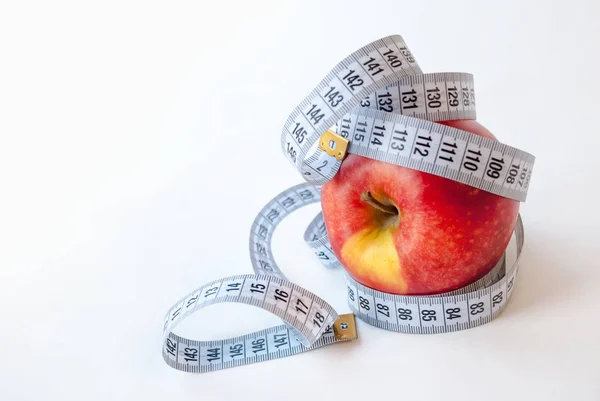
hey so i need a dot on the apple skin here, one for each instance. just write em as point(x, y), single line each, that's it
point(447, 234)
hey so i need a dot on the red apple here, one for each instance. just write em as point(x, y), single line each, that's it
point(403, 231)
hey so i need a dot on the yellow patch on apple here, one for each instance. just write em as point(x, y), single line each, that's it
point(375, 256)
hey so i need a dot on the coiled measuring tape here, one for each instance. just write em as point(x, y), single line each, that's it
point(376, 103)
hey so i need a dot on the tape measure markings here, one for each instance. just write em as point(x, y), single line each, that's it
point(272, 343)
point(425, 137)
point(347, 104)
point(265, 291)
point(193, 356)
point(417, 86)
point(438, 104)
point(324, 114)
point(323, 122)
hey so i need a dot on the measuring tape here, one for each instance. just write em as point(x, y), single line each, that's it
point(376, 103)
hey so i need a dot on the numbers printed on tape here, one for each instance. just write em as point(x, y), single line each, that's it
point(255, 289)
point(432, 314)
point(386, 107)
point(385, 312)
point(409, 316)
point(430, 147)
point(366, 303)
point(456, 313)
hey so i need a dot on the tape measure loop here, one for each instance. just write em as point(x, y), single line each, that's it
point(363, 100)
point(270, 293)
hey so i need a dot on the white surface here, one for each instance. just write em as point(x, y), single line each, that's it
point(115, 118)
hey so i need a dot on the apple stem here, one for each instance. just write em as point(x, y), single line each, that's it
point(368, 198)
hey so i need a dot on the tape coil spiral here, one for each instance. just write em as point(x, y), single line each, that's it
point(374, 103)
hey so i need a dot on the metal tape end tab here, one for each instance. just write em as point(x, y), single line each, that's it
point(344, 327)
point(333, 144)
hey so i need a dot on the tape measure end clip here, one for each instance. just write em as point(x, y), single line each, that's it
point(344, 327)
point(333, 144)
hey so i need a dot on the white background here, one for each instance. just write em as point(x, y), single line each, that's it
point(138, 140)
